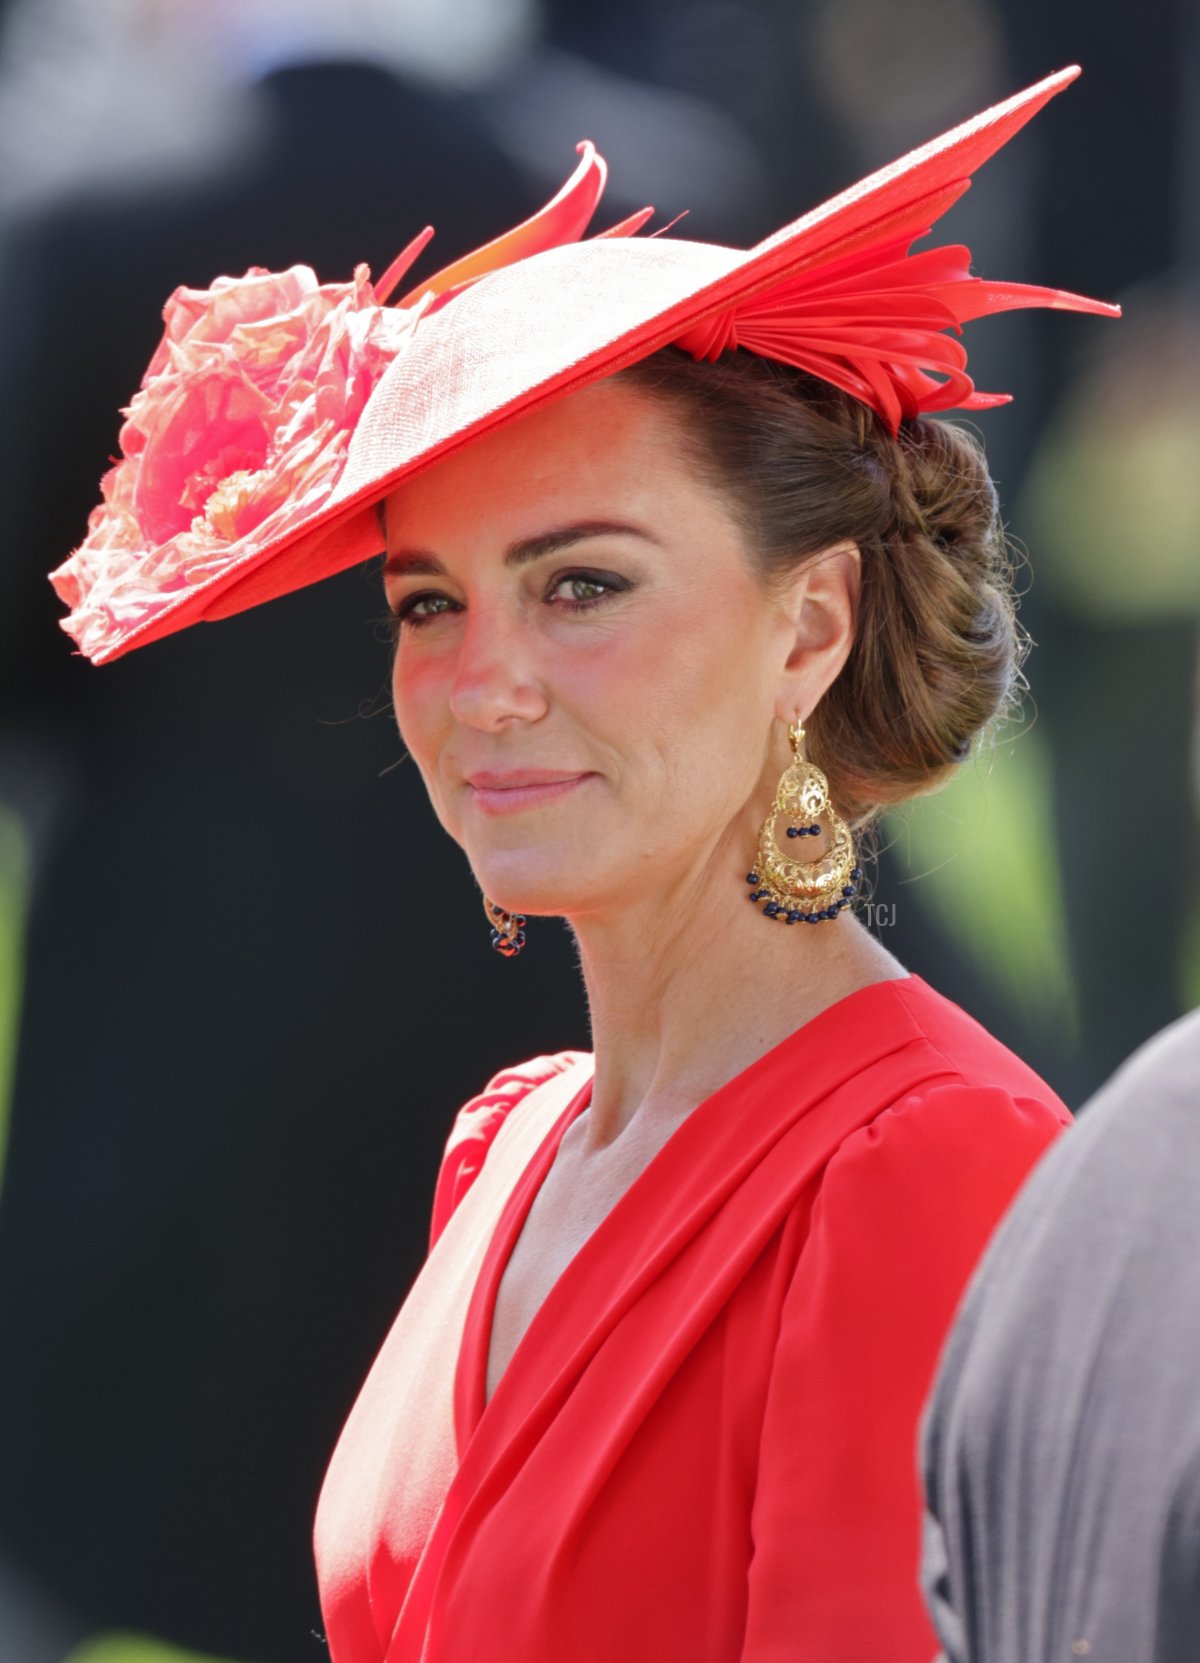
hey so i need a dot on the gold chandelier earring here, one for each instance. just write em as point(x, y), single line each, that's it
point(797, 890)
point(508, 929)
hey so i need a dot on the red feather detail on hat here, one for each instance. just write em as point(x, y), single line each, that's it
point(564, 219)
point(873, 323)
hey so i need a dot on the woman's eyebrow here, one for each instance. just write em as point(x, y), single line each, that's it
point(419, 563)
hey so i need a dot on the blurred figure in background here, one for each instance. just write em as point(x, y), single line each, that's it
point(613, 72)
point(131, 90)
point(1061, 1445)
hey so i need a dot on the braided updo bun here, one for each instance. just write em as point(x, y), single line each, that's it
point(937, 650)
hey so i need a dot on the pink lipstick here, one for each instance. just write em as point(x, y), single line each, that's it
point(520, 788)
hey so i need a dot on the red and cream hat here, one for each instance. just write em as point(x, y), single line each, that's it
point(277, 410)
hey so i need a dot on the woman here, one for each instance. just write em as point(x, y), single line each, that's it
point(655, 1392)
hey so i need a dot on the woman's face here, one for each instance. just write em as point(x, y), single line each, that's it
point(575, 602)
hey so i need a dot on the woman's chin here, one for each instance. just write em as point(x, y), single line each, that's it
point(532, 881)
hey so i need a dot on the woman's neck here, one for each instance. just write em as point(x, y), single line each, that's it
point(681, 999)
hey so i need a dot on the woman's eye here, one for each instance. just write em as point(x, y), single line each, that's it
point(416, 610)
point(424, 606)
point(585, 589)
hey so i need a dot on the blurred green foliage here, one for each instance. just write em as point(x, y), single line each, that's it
point(1112, 501)
point(132, 1648)
point(981, 858)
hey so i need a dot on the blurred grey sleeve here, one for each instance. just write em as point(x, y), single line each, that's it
point(937, 1583)
point(1177, 1629)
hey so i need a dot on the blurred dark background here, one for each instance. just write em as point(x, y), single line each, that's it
point(244, 978)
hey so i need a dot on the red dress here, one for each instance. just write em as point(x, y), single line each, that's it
point(704, 1447)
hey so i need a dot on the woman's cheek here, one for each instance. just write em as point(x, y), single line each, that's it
point(420, 694)
point(420, 743)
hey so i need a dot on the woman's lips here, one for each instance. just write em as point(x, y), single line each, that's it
point(510, 793)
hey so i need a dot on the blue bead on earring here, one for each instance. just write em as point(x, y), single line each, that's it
point(508, 929)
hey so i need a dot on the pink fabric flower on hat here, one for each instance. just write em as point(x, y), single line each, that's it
point(241, 427)
point(238, 432)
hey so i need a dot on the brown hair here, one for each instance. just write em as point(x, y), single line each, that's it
point(938, 650)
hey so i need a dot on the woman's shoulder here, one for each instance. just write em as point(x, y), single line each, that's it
point(478, 1122)
point(972, 1107)
point(970, 1050)
point(911, 1194)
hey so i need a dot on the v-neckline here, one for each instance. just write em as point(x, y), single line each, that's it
point(471, 1401)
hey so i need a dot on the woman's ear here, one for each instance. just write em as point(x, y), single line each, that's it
point(821, 607)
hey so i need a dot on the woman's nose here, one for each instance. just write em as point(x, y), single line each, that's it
point(496, 678)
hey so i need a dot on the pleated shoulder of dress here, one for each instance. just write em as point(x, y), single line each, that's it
point(705, 1443)
point(481, 1117)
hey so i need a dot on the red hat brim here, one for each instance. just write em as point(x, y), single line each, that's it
point(559, 320)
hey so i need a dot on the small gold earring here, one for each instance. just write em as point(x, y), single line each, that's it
point(804, 891)
point(508, 929)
